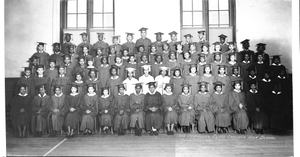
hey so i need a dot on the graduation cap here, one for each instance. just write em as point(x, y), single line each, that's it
point(164, 68)
point(129, 34)
point(251, 68)
point(222, 36)
point(89, 58)
point(115, 37)
point(100, 34)
point(261, 44)
point(83, 46)
point(57, 86)
point(93, 69)
point(84, 34)
point(173, 32)
point(158, 54)
point(40, 66)
point(207, 65)
point(52, 60)
point(141, 45)
point(202, 83)
point(188, 35)
point(73, 85)
point(193, 65)
point(251, 82)
point(186, 85)
point(138, 85)
point(205, 44)
point(60, 66)
point(146, 67)
point(143, 29)
point(41, 43)
point(169, 85)
point(68, 34)
point(27, 68)
point(91, 84)
point(151, 84)
point(39, 86)
point(104, 88)
point(33, 58)
point(176, 68)
point(235, 67)
point(131, 54)
point(56, 44)
point(245, 41)
point(22, 85)
point(275, 57)
point(78, 73)
point(114, 67)
point(130, 69)
point(238, 81)
point(192, 43)
point(178, 43)
point(121, 86)
point(66, 56)
point(222, 66)
point(72, 46)
point(231, 43)
point(80, 57)
point(201, 31)
point(125, 48)
point(159, 33)
point(216, 43)
point(218, 83)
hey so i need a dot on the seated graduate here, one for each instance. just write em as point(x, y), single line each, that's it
point(132, 62)
point(121, 103)
point(157, 64)
point(172, 60)
point(81, 68)
point(62, 80)
point(260, 66)
point(237, 103)
point(186, 109)
point(219, 103)
point(203, 109)
point(56, 111)
point(27, 79)
point(158, 44)
point(40, 78)
point(179, 51)
point(106, 110)
point(256, 107)
point(245, 64)
point(21, 111)
point(89, 109)
point(73, 112)
point(39, 112)
point(136, 103)
point(68, 66)
point(57, 55)
point(185, 65)
point(129, 44)
point(97, 59)
point(153, 108)
point(144, 60)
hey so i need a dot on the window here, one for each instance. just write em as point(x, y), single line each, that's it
point(192, 13)
point(83, 14)
point(218, 13)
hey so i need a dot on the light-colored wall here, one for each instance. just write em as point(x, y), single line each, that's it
point(26, 22)
point(266, 21)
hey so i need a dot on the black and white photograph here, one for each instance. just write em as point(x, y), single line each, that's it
point(157, 78)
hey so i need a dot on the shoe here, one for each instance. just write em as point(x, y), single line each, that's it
point(261, 131)
point(156, 133)
point(168, 132)
point(172, 132)
point(151, 133)
point(242, 131)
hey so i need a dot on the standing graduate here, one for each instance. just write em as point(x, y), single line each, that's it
point(193, 52)
point(73, 56)
point(146, 78)
point(80, 83)
point(89, 109)
point(62, 80)
point(81, 68)
point(265, 85)
point(56, 111)
point(129, 44)
point(90, 63)
point(173, 41)
point(208, 77)
point(84, 42)
point(52, 72)
point(33, 63)
point(130, 81)
point(136, 104)
point(73, 111)
point(237, 104)
point(256, 107)
point(97, 59)
point(121, 107)
point(103, 70)
point(39, 110)
point(235, 70)
point(185, 65)
point(125, 55)
point(188, 40)
point(202, 40)
point(176, 80)
point(261, 47)
point(153, 51)
point(41, 54)
point(132, 63)
point(260, 66)
point(276, 66)
point(158, 63)
point(153, 108)
point(170, 107)
point(219, 103)
point(231, 62)
point(186, 109)
point(162, 79)
point(245, 64)
point(158, 43)
point(93, 78)
point(179, 51)
point(224, 78)
point(116, 44)
point(86, 53)
point(201, 63)
point(57, 55)
point(120, 64)
point(143, 61)
point(100, 44)
point(203, 109)
point(143, 40)
point(172, 61)
point(27, 79)
point(40, 78)
point(217, 49)
point(114, 80)
point(223, 43)
point(252, 76)
point(21, 111)
point(193, 78)
point(165, 52)
point(218, 60)
point(245, 43)
point(68, 66)
point(67, 43)
point(106, 110)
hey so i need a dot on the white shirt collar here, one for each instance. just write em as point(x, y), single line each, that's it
point(152, 93)
point(59, 95)
point(254, 77)
point(62, 75)
point(253, 91)
point(260, 62)
point(202, 93)
point(238, 91)
point(40, 76)
point(91, 94)
point(78, 81)
point(42, 95)
point(246, 61)
point(222, 75)
point(218, 61)
point(232, 62)
point(106, 65)
point(188, 60)
point(159, 63)
point(117, 64)
point(185, 94)
point(202, 63)
point(168, 93)
point(172, 61)
point(23, 95)
point(207, 75)
point(276, 64)
point(27, 76)
point(276, 93)
point(236, 75)
point(74, 94)
point(94, 79)
point(281, 77)
point(114, 77)
point(191, 74)
point(103, 96)
point(218, 93)
point(269, 80)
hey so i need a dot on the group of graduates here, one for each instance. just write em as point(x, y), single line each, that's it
point(150, 86)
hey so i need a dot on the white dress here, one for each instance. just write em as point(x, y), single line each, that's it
point(144, 80)
point(161, 83)
point(130, 85)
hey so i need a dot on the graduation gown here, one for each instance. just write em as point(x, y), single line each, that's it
point(204, 112)
point(130, 46)
point(265, 86)
point(170, 117)
point(104, 74)
point(106, 119)
point(90, 102)
point(229, 67)
point(74, 117)
point(111, 59)
point(140, 71)
point(155, 69)
point(199, 44)
point(193, 80)
point(224, 47)
point(260, 68)
point(278, 111)
point(255, 100)
point(159, 46)
point(244, 66)
point(121, 72)
point(275, 70)
point(83, 70)
point(57, 57)
point(98, 84)
point(186, 115)
point(241, 54)
point(153, 119)
point(133, 65)
point(210, 79)
point(161, 83)
point(130, 85)
point(69, 71)
point(43, 58)
point(100, 44)
point(79, 49)
point(57, 119)
point(97, 61)
point(52, 74)
point(74, 60)
point(220, 108)
point(20, 102)
point(65, 47)
point(146, 42)
point(112, 84)
point(81, 87)
point(64, 81)
point(39, 120)
point(177, 82)
point(121, 121)
point(144, 80)
point(215, 68)
point(165, 56)
point(226, 80)
point(172, 64)
point(240, 117)
point(172, 45)
point(136, 105)
point(29, 83)
point(186, 67)
point(42, 80)
point(195, 56)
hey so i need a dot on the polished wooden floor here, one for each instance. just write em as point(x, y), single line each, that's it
point(180, 145)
